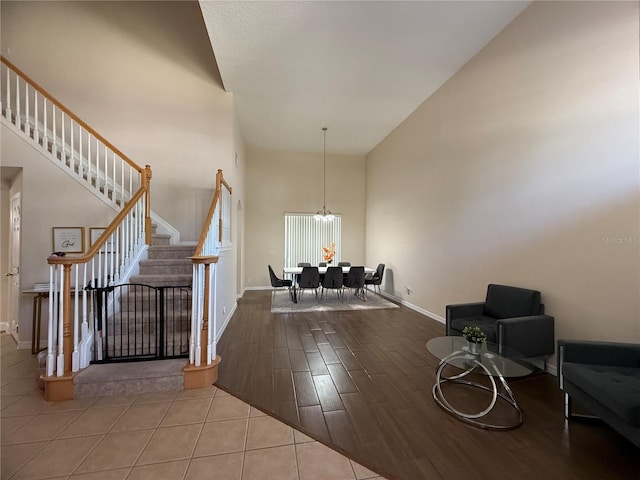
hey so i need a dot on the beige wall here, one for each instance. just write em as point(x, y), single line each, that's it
point(143, 75)
point(50, 198)
point(289, 182)
point(523, 169)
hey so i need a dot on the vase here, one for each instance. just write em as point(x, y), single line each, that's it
point(474, 347)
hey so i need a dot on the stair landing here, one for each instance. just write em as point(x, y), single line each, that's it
point(130, 378)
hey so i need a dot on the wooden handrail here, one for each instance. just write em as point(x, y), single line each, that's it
point(220, 181)
point(207, 222)
point(53, 100)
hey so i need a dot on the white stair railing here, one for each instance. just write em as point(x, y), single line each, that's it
point(65, 139)
point(73, 278)
point(28, 110)
point(216, 234)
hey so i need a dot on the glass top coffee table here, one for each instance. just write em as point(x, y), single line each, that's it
point(491, 361)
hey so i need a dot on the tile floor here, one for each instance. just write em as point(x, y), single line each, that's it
point(181, 435)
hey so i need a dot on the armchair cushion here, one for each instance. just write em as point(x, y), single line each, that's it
point(507, 302)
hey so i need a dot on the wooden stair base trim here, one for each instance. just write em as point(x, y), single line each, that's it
point(58, 388)
point(202, 376)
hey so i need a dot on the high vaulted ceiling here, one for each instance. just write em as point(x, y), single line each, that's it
point(358, 67)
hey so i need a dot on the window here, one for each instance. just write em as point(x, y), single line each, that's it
point(304, 237)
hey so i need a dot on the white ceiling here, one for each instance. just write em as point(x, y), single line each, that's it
point(359, 67)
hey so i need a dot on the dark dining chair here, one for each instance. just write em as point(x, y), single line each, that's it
point(278, 283)
point(355, 282)
point(332, 281)
point(322, 264)
point(304, 264)
point(308, 279)
point(375, 279)
point(344, 264)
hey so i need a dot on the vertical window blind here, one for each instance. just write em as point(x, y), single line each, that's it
point(304, 237)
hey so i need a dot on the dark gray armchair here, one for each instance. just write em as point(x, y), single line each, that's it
point(511, 317)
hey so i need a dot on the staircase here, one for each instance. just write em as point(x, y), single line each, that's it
point(166, 266)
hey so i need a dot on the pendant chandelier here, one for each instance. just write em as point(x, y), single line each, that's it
point(324, 214)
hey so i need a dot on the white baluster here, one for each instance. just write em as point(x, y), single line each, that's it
point(63, 140)
point(60, 318)
point(36, 120)
point(80, 159)
point(50, 330)
point(45, 138)
point(75, 357)
point(72, 156)
point(211, 348)
point(27, 115)
point(8, 101)
point(18, 122)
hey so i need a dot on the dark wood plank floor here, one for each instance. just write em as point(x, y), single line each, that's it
point(361, 382)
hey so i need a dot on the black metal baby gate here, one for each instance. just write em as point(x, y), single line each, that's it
point(140, 322)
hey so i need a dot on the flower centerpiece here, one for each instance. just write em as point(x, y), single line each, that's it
point(475, 337)
point(328, 253)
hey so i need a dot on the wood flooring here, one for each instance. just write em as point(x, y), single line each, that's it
point(360, 382)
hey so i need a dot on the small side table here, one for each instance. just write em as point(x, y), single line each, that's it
point(38, 296)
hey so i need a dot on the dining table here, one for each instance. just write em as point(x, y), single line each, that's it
point(293, 272)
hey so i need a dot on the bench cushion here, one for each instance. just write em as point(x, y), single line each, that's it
point(617, 388)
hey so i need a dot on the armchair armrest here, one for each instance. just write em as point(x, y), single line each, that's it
point(532, 336)
point(598, 353)
point(462, 310)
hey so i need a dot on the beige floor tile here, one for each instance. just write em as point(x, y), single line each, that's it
point(116, 450)
point(164, 471)
point(58, 458)
point(21, 386)
point(315, 461)
point(115, 400)
point(268, 432)
point(75, 404)
point(183, 412)
point(7, 401)
point(20, 371)
point(222, 437)
point(255, 412)
point(197, 393)
point(221, 393)
point(15, 456)
point(227, 408)
point(119, 474)
point(301, 437)
point(11, 424)
point(93, 421)
point(226, 467)
point(276, 463)
point(171, 443)
point(153, 397)
point(27, 405)
point(361, 472)
point(42, 427)
point(141, 416)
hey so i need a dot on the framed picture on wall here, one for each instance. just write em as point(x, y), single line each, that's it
point(68, 239)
